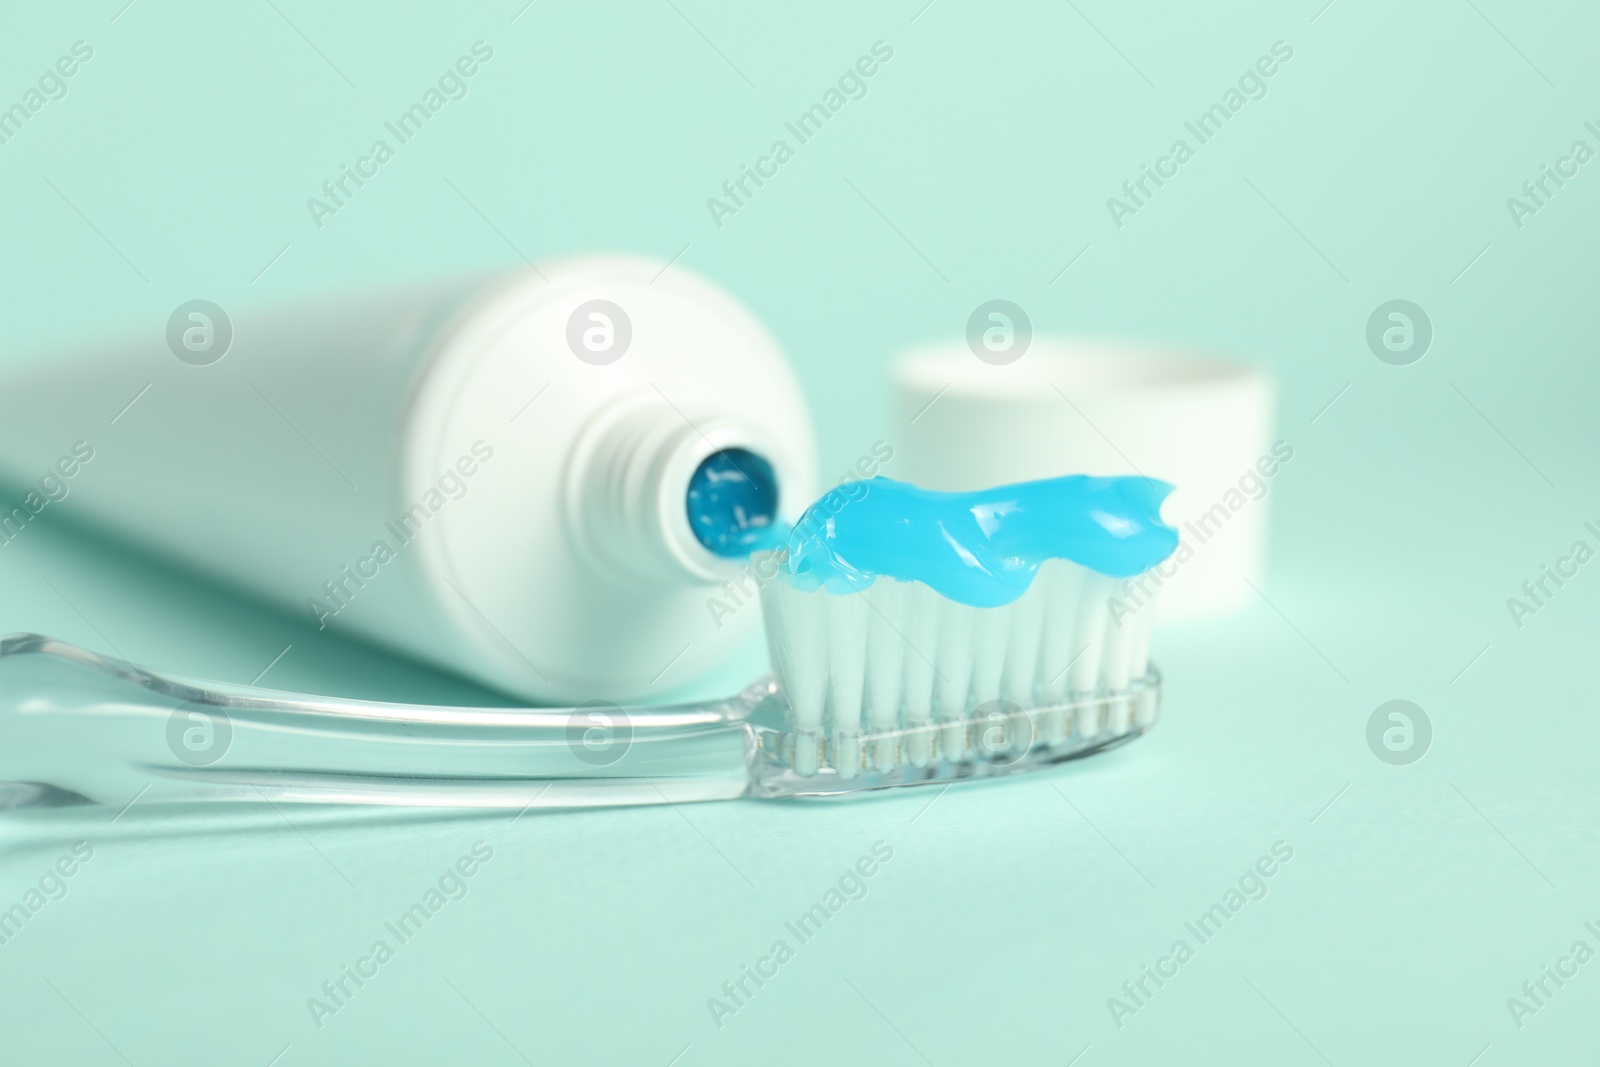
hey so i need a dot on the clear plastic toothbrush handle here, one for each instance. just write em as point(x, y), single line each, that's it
point(76, 727)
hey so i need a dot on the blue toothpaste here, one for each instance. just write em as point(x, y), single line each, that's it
point(732, 503)
point(981, 548)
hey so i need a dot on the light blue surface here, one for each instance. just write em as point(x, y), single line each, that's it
point(979, 163)
point(980, 548)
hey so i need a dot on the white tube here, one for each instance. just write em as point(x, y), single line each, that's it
point(483, 474)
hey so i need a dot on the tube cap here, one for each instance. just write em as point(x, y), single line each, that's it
point(1082, 406)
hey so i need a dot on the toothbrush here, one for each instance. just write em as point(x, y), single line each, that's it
point(82, 728)
point(910, 629)
point(899, 679)
point(1003, 654)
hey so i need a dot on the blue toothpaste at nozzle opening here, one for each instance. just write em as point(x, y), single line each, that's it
point(732, 504)
point(980, 548)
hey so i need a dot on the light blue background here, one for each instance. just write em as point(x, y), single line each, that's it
point(1377, 167)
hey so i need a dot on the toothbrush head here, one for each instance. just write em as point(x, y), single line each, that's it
point(897, 685)
point(922, 637)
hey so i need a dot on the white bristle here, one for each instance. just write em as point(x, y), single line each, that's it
point(1116, 673)
point(1020, 683)
point(847, 662)
point(919, 606)
point(990, 631)
point(1089, 637)
point(952, 666)
point(1057, 649)
point(899, 675)
point(886, 652)
point(796, 635)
